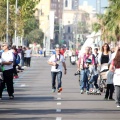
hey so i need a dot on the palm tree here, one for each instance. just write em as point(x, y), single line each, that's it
point(109, 23)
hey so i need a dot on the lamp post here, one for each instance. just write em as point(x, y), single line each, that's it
point(7, 21)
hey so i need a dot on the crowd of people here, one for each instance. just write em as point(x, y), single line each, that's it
point(12, 61)
point(92, 63)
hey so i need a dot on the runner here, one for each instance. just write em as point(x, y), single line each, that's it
point(57, 62)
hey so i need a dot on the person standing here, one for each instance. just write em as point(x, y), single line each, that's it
point(44, 51)
point(7, 63)
point(57, 62)
point(115, 67)
point(28, 53)
point(105, 56)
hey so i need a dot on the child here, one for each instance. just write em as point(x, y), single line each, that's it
point(110, 86)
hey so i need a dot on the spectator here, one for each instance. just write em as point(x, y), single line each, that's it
point(105, 55)
point(7, 62)
point(15, 53)
point(115, 67)
point(28, 53)
point(84, 69)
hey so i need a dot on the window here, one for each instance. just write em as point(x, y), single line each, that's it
point(66, 3)
point(68, 29)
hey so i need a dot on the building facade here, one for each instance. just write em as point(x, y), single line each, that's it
point(73, 17)
point(49, 13)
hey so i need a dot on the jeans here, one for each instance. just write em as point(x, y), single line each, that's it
point(22, 61)
point(8, 79)
point(109, 91)
point(84, 79)
point(59, 76)
point(93, 79)
point(117, 95)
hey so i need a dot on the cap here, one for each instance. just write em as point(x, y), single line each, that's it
point(57, 46)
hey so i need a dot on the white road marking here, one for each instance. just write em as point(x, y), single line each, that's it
point(58, 118)
point(23, 85)
point(58, 110)
point(59, 93)
point(59, 103)
point(58, 98)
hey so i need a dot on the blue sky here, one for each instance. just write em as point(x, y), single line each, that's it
point(104, 3)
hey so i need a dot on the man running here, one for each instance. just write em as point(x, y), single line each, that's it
point(57, 62)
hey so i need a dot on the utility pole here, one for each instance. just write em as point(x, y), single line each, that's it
point(98, 6)
point(16, 8)
point(76, 5)
point(7, 21)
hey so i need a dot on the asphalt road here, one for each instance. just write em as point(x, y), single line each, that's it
point(34, 99)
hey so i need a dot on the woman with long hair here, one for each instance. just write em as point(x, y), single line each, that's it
point(115, 67)
point(105, 55)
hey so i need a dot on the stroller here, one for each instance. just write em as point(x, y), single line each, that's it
point(103, 77)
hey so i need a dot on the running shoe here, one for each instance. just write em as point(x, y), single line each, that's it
point(11, 97)
point(0, 98)
point(53, 90)
point(81, 91)
point(105, 98)
point(118, 106)
point(59, 90)
point(112, 99)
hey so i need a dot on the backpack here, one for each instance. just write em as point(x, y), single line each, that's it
point(16, 59)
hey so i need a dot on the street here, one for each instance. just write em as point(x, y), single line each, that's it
point(34, 99)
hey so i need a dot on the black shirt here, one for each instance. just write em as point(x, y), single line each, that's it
point(104, 59)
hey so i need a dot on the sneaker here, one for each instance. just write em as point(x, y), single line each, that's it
point(87, 92)
point(81, 92)
point(15, 77)
point(105, 98)
point(53, 90)
point(59, 90)
point(112, 99)
point(97, 91)
point(0, 98)
point(118, 106)
point(11, 97)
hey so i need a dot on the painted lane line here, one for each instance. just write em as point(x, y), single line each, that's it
point(58, 103)
point(58, 110)
point(59, 98)
point(59, 93)
point(58, 118)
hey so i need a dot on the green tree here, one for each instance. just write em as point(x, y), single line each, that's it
point(110, 22)
point(25, 12)
point(35, 35)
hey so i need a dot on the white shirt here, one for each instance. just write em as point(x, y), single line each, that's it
point(7, 57)
point(116, 78)
point(60, 61)
point(28, 53)
point(44, 49)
